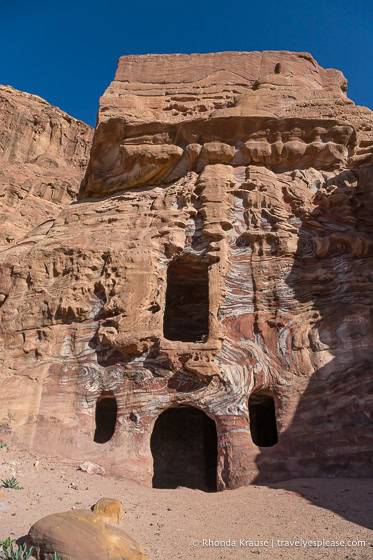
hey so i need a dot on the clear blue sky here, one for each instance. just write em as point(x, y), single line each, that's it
point(67, 51)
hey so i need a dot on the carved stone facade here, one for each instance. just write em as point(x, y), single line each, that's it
point(218, 259)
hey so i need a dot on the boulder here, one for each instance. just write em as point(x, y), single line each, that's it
point(81, 535)
point(109, 510)
point(91, 468)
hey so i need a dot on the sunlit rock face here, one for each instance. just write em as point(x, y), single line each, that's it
point(43, 156)
point(218, 257)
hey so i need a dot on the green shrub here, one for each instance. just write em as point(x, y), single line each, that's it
point(10, 551)
point(11, 483)
point(6, 543)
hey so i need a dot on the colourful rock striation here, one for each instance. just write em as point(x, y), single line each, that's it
point(217, 263)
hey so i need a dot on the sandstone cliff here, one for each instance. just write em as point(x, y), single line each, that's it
point(219, 257)
point(43, 155)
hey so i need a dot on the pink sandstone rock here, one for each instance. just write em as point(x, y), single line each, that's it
point(202, 315)
point(43, 155)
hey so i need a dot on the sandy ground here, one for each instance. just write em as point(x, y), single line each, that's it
point(184, 523)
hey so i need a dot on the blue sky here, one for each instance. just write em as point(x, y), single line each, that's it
point(67, 51)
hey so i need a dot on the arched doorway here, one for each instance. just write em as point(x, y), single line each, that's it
point(106, 418)
point(184, 449)
point(263, 425)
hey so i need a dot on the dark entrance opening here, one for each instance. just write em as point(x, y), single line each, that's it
point(187, 300)
point(106, 417)
point(184, 449)
point(262, 420)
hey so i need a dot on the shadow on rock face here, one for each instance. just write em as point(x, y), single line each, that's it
point(105, 355)
point(331, 432)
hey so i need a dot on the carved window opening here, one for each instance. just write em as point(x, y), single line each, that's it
point(106, 418)
point(184, 449)
point(262, 414)
point(187, 300)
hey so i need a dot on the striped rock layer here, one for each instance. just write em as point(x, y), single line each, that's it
point(245, 180)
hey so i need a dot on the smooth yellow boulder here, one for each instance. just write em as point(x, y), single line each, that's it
point(109, 510)
point(81, 535)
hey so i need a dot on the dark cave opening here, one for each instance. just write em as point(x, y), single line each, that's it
point(262, 415)
point(187, 300)
point(184, 449)
point(106, 418)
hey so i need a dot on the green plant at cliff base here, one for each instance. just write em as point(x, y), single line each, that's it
point(3, 445)
point(9, 551)
point(6, 543)
point(11, 483)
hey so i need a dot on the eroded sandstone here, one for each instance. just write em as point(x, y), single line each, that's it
point(43, 155)
point(219, 257)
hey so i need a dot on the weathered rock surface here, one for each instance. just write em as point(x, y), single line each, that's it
point(91, 468)
point(78, 535)
point(43, 155)
point(219, 257)
point(109, 510)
